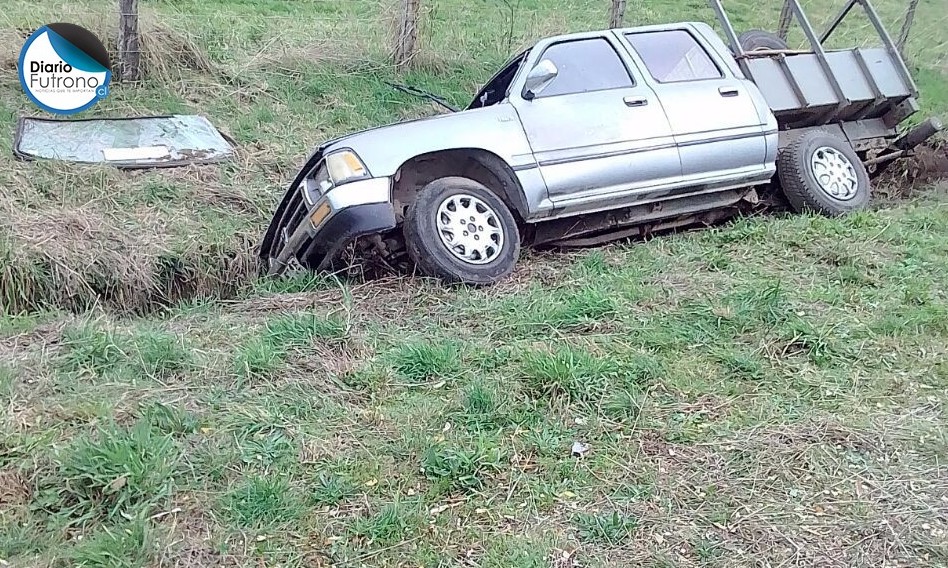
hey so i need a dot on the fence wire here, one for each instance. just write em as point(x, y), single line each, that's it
point(240, 33)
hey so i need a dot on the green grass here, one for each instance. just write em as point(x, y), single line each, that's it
point(262, 502)
point(325, 75)
point(769, 390)
point(608, 529)
point(90, 349)
point(114, 474)
point(768, 379)
point(266, 352)
point(418, 360)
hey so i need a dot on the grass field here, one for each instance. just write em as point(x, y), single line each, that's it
point(766, 393)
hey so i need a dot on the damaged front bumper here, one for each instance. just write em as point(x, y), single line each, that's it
point(314, 222)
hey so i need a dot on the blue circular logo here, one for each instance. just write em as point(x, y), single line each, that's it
point(64, 68)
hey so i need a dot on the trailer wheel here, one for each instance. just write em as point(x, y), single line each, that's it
point(458, 230)
point(820, 172)
point(752, 40)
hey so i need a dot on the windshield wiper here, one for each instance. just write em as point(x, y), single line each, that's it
point(423, 94)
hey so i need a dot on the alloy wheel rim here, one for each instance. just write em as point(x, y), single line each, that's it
point(834, 173)
point(470, 229)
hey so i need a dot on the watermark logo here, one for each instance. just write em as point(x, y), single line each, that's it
point(64, 68)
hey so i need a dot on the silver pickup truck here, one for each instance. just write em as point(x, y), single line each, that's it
point(605, 134)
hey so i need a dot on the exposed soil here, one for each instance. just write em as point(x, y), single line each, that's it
point(905, 177)
point(929, 164)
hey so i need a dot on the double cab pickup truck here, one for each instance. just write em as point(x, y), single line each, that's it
point(606, 134)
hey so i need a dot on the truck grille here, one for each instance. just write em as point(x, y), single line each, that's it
point(290, 218)
point(285, 223)
point(299, 208)
point(289, 215)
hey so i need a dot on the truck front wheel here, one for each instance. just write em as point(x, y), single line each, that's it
point(821, 172)
point(458, 230)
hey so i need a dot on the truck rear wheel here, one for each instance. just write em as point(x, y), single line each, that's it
point(459, 231)
point(821, 172)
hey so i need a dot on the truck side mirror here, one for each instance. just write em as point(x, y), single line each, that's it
point(539, 78)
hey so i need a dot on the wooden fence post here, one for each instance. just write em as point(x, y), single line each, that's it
point(406, 39)
point(617, 13)
point(129, 42)
point(907, 27)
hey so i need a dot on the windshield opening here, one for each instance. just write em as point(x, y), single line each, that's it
point(496, 89)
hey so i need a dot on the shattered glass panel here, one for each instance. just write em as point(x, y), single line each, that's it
point(174, 140)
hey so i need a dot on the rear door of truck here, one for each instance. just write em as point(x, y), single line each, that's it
point(713, 117)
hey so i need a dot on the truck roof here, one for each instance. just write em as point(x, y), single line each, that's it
point(700, 26)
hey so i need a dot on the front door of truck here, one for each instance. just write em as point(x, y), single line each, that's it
point(597, 131)
point(717, 126)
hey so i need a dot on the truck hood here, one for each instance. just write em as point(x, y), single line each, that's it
point(352, 137)
point(495, 129)
point(354, 140)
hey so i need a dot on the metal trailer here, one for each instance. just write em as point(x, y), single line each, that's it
point(862, 94)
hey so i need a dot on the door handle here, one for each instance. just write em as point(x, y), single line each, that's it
point(635, 101)
point(728, 91)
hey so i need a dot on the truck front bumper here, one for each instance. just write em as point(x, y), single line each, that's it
point(307, 231)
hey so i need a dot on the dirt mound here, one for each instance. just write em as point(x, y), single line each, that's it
point(904, 177)
point(929, 164)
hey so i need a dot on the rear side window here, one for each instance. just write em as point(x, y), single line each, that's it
point(585, 65)
point(673, 56)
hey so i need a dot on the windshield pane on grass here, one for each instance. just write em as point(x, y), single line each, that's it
point(126, 142)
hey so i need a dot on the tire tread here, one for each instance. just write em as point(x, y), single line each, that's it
point(426, 254)
point(796, 184)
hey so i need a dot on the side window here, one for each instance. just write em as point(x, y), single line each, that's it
point(585, 65)
point(673, 56)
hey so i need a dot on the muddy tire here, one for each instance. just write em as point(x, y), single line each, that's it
point(752, 40)
point(821, 173)
point(461, 232)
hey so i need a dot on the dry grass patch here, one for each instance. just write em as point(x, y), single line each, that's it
point(15, 491)
point(10, 42)
point(192, 540)
point(815, 492)
point(79, 258)
point(167, 51)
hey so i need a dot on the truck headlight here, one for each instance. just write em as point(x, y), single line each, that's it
point(345, 166)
